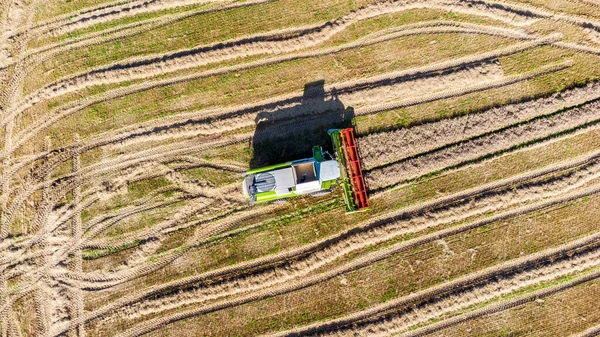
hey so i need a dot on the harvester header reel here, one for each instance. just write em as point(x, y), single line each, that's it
point(351, 176)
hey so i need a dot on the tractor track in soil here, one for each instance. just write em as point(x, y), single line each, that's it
point(162, 230)
point(395, 33)
point(304, 265)
point(590, 2)
point(275, 42)
point(465, 151)
point(502, 306)
point(101, 223)
point(49, 51)
point(419, 307)
point(39, 261)
point(12, 86)
point(69, 211)
point(365, 260)
point(52, 259)
point(379, 149)
point(472, 7)
point(162, 153)
point(282, 101)
point(288, 255)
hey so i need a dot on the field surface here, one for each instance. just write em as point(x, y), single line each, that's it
point(125, 127)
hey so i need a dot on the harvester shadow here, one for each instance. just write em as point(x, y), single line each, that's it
point(289, 133)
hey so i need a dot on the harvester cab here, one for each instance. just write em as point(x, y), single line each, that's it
point(316, 176)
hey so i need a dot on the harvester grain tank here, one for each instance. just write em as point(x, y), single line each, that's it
point(316, 176)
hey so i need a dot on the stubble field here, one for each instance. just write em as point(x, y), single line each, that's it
point(125, 126)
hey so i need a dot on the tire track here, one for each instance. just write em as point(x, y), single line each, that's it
point(42, 316)
point(15, 328)
point(502, 306)
point(13, 16)
point(108, 12)
point(590, 2)
point(155, 154)
point(177, 222)
point(17, 12)
point(466, 291)
point(277, 42)
point(153, 324)
point(63, 112)
point(463, 152)
point(12, 90)
point(123, 31)
point(208, 234)
point(21, 247)
point(316, 246)
point(40, 225)
point(463, 91)
point(379, 149)
point(303, 266)
point(93, 229)
point(86, 79)
point(104, 280)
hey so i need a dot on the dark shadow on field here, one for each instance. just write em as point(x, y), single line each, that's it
point(290, 133)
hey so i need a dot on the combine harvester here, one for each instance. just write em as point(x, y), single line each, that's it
point(315, 176)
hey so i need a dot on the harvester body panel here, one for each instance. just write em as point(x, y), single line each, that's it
point(290, 179)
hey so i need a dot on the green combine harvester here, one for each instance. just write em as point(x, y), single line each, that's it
point(316, 176)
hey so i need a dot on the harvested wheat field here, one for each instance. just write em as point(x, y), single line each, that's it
point(134, 133)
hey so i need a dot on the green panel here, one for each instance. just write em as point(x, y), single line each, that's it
point(271, 195)
point(317, 154)
point(265, 196)
point(327, 184)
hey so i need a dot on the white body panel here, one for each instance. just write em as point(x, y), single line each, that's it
point(284, 180)
point(329, 170)
point(308, 187)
